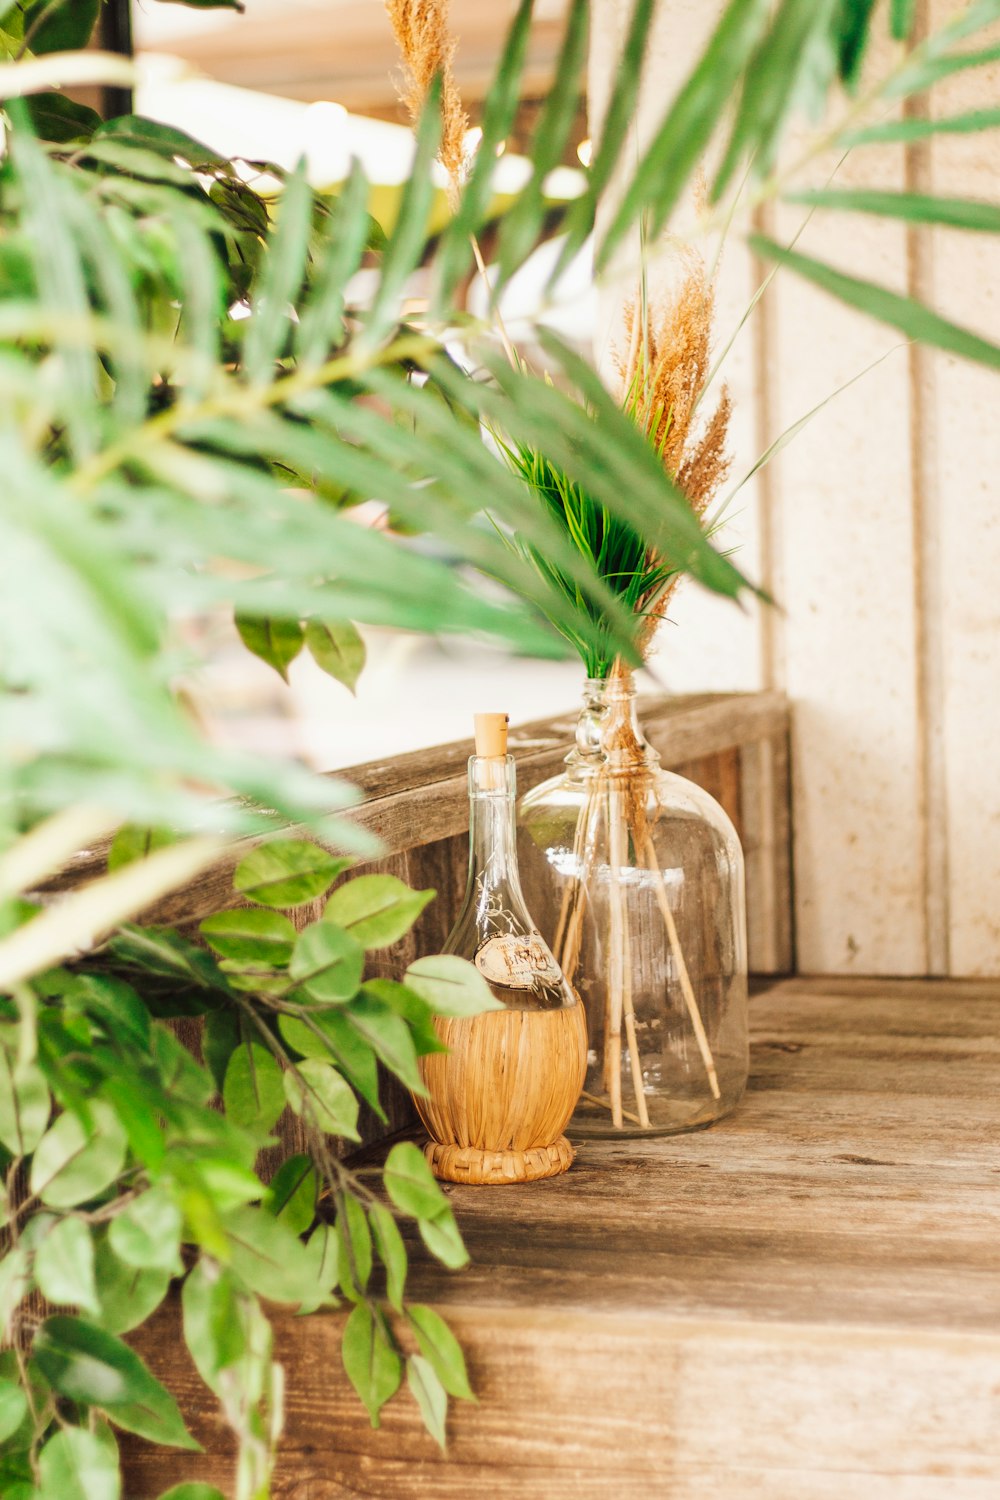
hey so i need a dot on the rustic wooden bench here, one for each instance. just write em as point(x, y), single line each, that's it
point(802, 1303)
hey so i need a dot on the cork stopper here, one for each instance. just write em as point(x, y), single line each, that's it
point(491, 734)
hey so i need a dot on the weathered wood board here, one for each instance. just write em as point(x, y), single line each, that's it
point(802, 1303)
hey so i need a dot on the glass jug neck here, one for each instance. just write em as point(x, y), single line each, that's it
point(608, 736)
point(492, 831)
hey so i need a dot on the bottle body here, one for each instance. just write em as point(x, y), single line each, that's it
point(499, 1099)
point(636, 875)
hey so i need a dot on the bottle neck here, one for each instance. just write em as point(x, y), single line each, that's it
point(493, 874)
point(608, 736)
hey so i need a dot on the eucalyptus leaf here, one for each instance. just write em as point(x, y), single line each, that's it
point(354, 1247)
point(250, 936)
point(317, 1090)
point(329, 1034)
point(127, 1296)
point(76, 1465)
point(147, 1234)
point(268, 1258)
point(287, 872)
point(64, 1266)
point(292, 1192)
point(327, 962)
point(391, 1252)
point(337, 648)
point(25, 1105)
point(13, 1409)
point(253, 1091)
point(86, 1364)
point(75, 1162)
point(277, 642)
point(429, 1394)
point(411, 1184)
point(372, 1364)
point(452, 985)
point(376, 910)
point(441, 1348)
point(14, 1283)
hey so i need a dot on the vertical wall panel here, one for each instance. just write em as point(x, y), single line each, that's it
point(843, 491)
point(878, 530)
point(964, 406)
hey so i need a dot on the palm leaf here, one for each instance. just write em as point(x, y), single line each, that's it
point(905, 313)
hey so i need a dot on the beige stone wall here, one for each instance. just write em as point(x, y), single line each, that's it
point(878, 530)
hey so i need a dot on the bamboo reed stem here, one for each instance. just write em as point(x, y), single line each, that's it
point(620, 1007)
point(616, 944)
point(604, 1104)
point(663, 901)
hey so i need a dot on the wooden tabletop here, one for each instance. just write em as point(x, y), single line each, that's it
point(802, 1303)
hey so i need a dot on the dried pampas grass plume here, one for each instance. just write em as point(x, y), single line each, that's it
point(663, 375)
point(428, 49)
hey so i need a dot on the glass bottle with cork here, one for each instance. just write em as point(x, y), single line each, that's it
point(500, 1098)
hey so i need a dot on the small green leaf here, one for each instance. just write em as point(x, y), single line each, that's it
point(440, 1346)
point(13, 1408)
point(416, 1012)
point(354, 1247)
point(24, 1106)
point(73, 1163)
point(147, 1235)
point(443, 1240)
point(317, 1088)
point(429, 1394)
point(127, 1296)
point(64, 1266)
point(376, 909)
point(77, 1465)
point(133, 842)
point(250, 936)
point(220, 1038)
point(213, 1327)
point(62, 27)
point(391, 1252)
point(329, 1033)
point(84, 1363)
point(452, 985)
point(373, 1366)
point(327, 963)
point(292, 1192)
point(13, 1285)
point(287, 872)
point(390, 1037)
point(193, 1491)
point(268, 1258)
point(56, 118)
point(338, 649)
point(253, 1093)
point(411, 1184)
point(277, 642)
point(321, 1253)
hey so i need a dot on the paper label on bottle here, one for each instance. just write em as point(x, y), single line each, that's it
point(517, 961)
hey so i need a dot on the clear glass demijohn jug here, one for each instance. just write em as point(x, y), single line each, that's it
point(635, 876)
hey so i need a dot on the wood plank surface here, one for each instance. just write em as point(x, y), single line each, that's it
point(802, 1303)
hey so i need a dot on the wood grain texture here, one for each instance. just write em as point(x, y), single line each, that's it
point(802, 1303)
